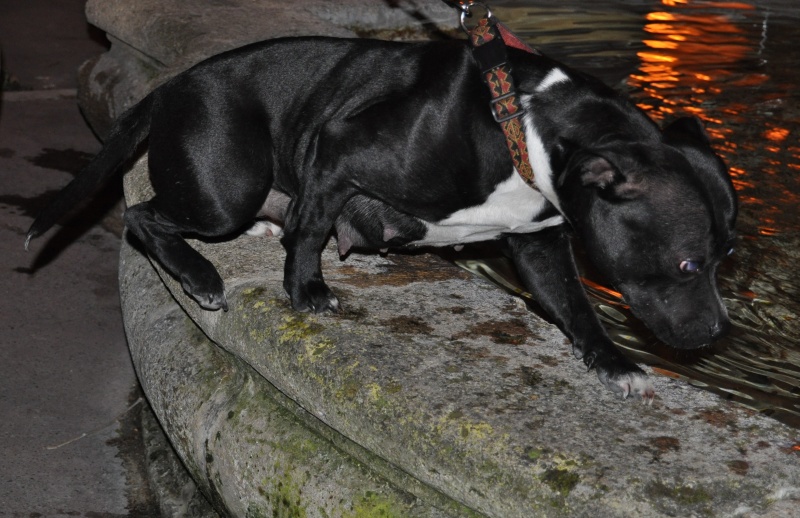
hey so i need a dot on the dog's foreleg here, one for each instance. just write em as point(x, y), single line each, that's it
point(308, 225)
point(545, 264)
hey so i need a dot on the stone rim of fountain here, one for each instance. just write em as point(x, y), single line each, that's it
point(363, 387)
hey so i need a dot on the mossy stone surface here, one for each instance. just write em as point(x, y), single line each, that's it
point(434, 413)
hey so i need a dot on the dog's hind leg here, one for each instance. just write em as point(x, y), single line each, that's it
point(163, 240)
point(211, 169)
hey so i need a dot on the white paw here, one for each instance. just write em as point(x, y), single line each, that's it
point(264, 228)
point(637, 385)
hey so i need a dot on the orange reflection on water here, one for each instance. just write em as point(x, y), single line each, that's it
point(739, 179)
point(698, 59)
point(768, 231)
point(678, 48)
point(736, 172)
point(776, 134)
point(719, 5)
point(690, 57)
point(615, 295)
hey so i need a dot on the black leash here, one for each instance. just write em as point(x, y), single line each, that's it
point(489, 39)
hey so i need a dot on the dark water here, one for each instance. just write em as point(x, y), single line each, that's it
point(736, 65)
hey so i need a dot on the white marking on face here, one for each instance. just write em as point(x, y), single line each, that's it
point(538, 156)
point(553, 77)
point(511, 209)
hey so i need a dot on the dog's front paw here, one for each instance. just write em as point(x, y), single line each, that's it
point(636, 384)
point(620, 375)
point(314, 297)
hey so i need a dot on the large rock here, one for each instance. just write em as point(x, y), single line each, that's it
point(433, 393)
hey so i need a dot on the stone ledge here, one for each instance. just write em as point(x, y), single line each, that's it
point(152, 40)
point(456, 398)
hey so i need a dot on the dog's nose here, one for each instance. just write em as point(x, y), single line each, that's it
point(719, 329)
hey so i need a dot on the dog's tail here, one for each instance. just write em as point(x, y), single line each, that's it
point(127, 133)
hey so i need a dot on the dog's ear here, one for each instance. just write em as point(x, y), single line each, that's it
point(687, 128)
point(610, 178)
point(613, 175)
point(598, 172)
point(581, 164)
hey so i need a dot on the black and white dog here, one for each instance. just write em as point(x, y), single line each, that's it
point(393, 144)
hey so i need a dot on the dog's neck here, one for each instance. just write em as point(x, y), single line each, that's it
point(539, 158)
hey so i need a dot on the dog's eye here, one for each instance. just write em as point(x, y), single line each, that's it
point(690, 266)
point(731, 250)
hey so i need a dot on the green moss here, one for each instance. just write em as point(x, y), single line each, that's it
point(255, 512)
point(348, 390)
point(535, 453)
point(455, 414)
point(476, 430)
point(297, 328)
point(376, 396)
point(297, 449)
point(682, 494)
point(373, 505)
point(251, 295)
point(300, 329)
point(560, 480)
point(285, 497)
point(393, 388)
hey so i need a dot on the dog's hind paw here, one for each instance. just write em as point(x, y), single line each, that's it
point(212, 301)
point(635, 384)
point(206, 287)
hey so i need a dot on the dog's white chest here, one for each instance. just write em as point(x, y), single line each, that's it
point(513, 208)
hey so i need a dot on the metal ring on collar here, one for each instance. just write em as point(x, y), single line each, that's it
point(466, 12)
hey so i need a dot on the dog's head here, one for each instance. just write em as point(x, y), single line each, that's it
point(657, 218)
